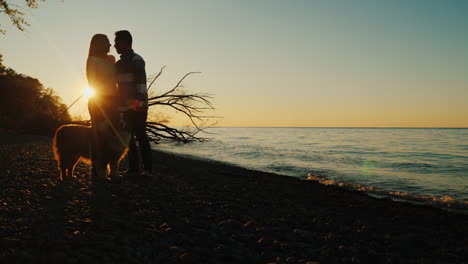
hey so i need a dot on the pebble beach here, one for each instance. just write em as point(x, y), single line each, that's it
point(198, 211)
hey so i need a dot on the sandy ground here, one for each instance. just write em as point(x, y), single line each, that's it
point(206, 212)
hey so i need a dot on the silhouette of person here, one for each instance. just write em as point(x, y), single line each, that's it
point(100, 72)
point(131, 84)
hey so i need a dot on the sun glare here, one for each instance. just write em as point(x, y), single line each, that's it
point(88, 92)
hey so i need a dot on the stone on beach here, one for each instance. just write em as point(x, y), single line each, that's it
point(206, 212)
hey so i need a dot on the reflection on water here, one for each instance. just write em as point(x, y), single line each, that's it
point(414, 162)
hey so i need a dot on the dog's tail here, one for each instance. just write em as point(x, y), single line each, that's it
point(54, 144)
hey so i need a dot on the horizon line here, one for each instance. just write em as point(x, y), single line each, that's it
point(339, 127)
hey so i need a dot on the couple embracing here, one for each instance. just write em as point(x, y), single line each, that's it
point(119, 87)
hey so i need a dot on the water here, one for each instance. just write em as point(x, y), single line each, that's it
point(419, 165)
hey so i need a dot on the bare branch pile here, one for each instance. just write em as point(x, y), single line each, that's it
point(191, 105)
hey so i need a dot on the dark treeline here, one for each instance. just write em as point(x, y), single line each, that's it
point(26, 106)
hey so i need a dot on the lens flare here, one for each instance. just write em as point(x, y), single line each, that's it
point(88, 92)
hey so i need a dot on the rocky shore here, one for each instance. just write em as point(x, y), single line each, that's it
point(197, 211)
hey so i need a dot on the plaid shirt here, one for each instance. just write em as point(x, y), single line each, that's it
point(131, 81)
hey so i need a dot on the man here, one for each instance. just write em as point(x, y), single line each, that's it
point(131, 82)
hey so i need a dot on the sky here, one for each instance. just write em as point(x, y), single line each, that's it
point(298, 63)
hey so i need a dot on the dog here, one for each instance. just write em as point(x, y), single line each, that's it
point(105, 145)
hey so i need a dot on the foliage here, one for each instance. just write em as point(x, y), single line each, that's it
point(2, 68)
point(15, 14)
point(26, 105)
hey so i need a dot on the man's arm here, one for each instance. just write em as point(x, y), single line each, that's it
point(140, 83)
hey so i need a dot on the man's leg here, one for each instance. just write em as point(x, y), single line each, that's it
point(133, 162)
point(145, 148)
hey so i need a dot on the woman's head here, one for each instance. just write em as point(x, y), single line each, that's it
point(99, 45)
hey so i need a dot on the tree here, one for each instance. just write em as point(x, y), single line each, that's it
point(14, 13)
point(26, 105)
point(2, 67)
point(191, 105)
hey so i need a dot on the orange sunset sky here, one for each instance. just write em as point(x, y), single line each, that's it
point(270, 63)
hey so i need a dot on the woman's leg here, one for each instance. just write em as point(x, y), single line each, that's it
point(92, 108)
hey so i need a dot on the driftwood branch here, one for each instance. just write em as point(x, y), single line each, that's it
point(160, 131)
point(191, 105)
point(155, 78)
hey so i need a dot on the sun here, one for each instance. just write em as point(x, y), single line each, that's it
point(88, 92)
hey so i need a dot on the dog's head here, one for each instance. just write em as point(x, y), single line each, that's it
point(123, 121)
point(120, 120)
point(115, 121)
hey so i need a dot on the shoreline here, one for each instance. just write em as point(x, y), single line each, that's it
point(451, 205)
point(200, 211)
point(229, 165)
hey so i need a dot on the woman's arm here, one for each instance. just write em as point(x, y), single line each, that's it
point(91, 73)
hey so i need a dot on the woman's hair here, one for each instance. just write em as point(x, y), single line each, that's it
point(98, 46)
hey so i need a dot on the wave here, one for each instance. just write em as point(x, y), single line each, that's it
point(445, 201)
point(240, 138)
point(412, 165)
point(398, 163)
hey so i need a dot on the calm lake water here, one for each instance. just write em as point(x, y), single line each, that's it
point(420, 165)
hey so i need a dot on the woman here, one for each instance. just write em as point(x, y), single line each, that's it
point(100, 71)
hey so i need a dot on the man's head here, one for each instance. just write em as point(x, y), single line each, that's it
point(123, 41)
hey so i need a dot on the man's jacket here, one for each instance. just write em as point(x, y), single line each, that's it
point(131, 81)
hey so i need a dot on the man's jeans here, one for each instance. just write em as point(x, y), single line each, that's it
point(137, 122)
